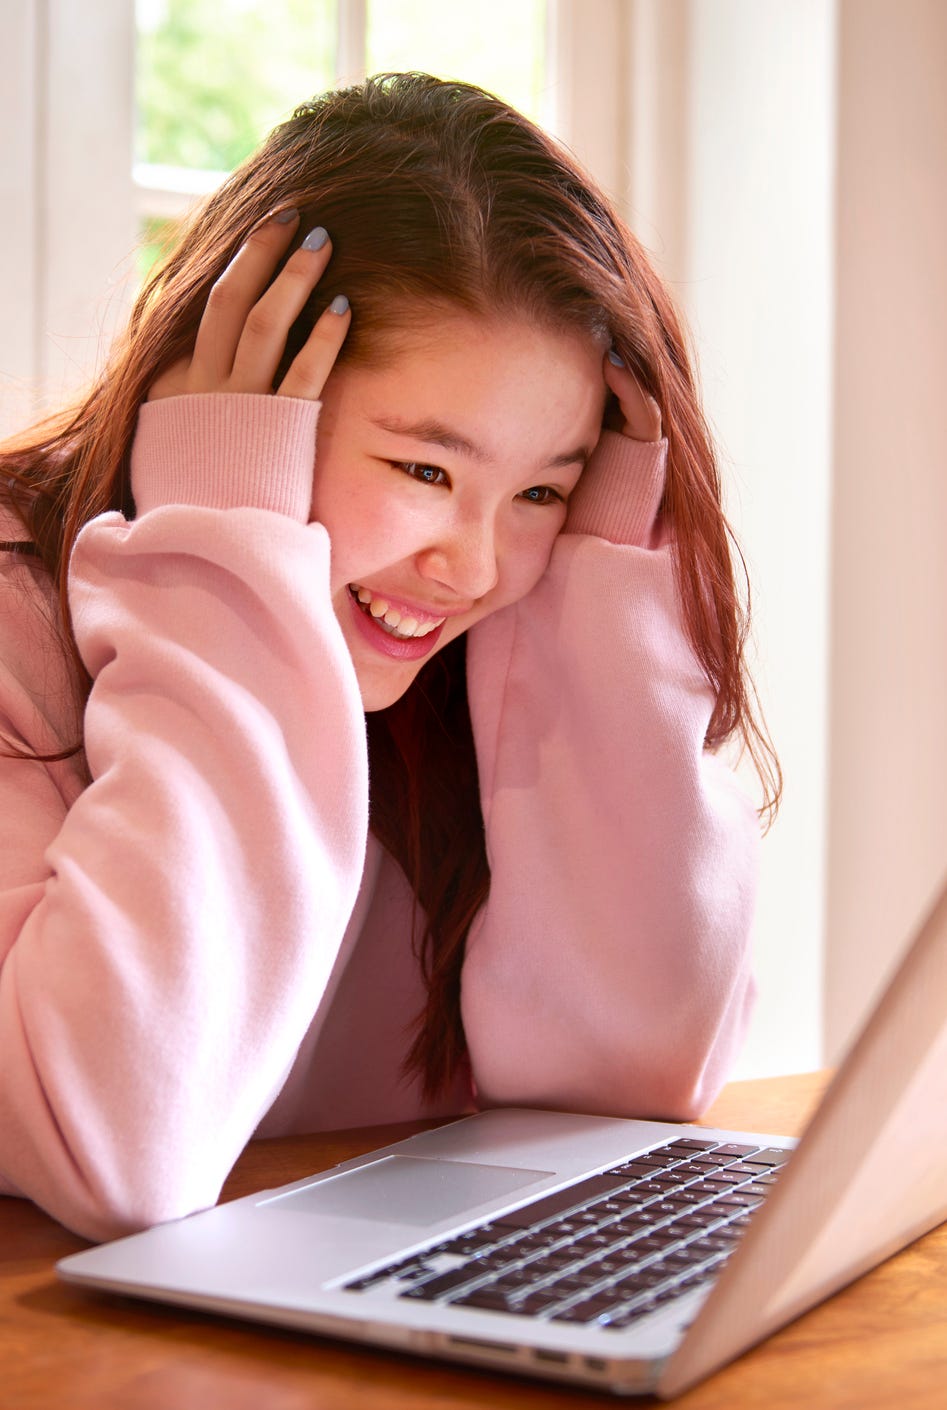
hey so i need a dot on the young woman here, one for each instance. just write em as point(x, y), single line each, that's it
point(367, 638)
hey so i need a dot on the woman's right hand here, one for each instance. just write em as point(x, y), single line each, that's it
point(243, 330)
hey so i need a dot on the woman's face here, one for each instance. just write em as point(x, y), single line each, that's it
point(442, 479)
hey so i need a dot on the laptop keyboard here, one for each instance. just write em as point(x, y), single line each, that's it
point(606, 1250)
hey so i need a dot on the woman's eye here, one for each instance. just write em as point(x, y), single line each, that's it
point(417, 470)
point(542, 494)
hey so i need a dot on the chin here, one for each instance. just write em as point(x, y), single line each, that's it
point(378, 695)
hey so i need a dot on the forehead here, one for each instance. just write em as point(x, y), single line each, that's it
point(492, 379)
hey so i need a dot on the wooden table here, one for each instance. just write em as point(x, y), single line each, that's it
point(879, 1343)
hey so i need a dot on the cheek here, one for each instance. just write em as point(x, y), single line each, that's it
point(369, 529)
point(525, 561)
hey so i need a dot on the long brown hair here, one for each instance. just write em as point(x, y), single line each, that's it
point(434, 193)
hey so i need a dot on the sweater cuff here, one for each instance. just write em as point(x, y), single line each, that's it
point(226, 451)
point(620, 489)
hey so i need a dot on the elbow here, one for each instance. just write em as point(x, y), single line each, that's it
point(661, 1079)
point(680, 1081)
point(101, 1221)
point(101, 1218)
point(109, 1204)
point(130, 1212)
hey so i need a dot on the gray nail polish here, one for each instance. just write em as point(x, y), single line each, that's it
point(284, 217)
point(339, 304)
point(315, 239)
point(615, 359)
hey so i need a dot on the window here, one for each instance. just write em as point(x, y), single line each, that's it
point(212, 77)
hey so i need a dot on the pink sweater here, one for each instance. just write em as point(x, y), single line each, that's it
point(206, 943)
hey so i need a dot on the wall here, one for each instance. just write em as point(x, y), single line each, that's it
point(887, 844)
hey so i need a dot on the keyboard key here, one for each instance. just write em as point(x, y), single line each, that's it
point(688, 1197)
point(443, 1283)
point(472, 1240)
point(682, 1174)
point(641, 1280)
point(769, 1157)
point(487, 1300)
point(535, 1303)
point(700, 1219)
point(714, 1243)
point(651, 1190)
point(496, 1259)
point(652, 1243)
point(682, 1258)
point(632, 1227)
point(367, 1281)
point(588, 1310)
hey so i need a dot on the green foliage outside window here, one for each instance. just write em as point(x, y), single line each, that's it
point(214, 76)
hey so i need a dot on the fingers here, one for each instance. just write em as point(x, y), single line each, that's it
point(232, 298)
point(242, 336)
point(263, 339)
point(640, 412)
point(312, 364)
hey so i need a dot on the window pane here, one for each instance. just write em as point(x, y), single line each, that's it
point(214, 76)
point(499, 44)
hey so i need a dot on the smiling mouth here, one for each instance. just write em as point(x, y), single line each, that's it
point(390, 618)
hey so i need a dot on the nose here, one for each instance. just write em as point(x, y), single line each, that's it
point(464, 558)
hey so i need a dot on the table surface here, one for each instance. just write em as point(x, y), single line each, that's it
point(882, 1342)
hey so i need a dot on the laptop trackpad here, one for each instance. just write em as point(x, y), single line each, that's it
point(402, 1189)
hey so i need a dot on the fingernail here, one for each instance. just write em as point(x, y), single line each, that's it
point(286, 216)
point(315, 239)
point(339, 304)
point(615, 359)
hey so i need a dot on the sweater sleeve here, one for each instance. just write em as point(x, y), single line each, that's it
point(166, 939)
point(609, 969)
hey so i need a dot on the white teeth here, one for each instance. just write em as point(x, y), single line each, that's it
point(390, 618)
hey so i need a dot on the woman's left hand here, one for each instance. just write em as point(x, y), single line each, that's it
point(639, 414)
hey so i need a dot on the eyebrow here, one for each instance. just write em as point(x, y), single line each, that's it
point(434, 432)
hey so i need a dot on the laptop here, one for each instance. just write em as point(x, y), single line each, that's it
point(634, 1256)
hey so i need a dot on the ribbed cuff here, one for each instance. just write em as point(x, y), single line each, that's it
point(225, 451)
point(618, 495)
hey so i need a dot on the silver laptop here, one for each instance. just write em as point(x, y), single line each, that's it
point(633, 1256)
